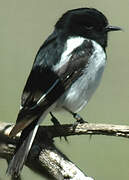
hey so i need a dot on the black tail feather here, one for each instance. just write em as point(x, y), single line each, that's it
point(16, 164)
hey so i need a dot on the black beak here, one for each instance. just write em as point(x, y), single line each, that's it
point(112, 28)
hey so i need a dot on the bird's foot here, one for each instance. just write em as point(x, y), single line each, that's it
point(79, 120)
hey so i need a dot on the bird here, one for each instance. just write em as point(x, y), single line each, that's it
point(66, 72)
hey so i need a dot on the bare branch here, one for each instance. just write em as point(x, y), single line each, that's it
point(44, 158)
point(87, 129)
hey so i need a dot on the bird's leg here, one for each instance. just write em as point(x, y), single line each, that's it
point(79, 119)
point(56, 123)
point(54, 120)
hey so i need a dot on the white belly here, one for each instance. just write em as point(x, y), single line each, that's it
point(78, 95)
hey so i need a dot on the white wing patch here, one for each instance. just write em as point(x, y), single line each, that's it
point(71, 44)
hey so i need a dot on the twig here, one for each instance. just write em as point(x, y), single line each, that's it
point(45, 158)
point(81, 129)
point(87, 129)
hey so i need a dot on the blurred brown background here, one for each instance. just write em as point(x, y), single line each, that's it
point(24, 25)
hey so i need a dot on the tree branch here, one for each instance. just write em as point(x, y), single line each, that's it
point(45, 159)
point(88, 129)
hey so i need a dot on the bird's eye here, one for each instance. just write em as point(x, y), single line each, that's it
point(90, 27)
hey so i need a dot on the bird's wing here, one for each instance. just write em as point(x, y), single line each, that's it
point(45, 84)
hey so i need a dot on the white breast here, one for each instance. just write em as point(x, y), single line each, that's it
point(78, 95)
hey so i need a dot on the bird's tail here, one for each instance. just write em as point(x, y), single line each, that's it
point(16, 164)
point(24, 144)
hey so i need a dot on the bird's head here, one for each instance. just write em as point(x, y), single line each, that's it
point(86, 22)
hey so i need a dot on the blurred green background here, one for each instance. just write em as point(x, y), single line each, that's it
point(24, 25)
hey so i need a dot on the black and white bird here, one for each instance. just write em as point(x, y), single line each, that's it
point(67, 70)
